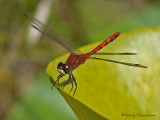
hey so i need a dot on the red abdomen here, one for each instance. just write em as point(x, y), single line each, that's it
point(104, 43)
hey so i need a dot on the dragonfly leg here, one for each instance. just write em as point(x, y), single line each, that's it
point(75, 84)
point(57, 80)
point(70, 79)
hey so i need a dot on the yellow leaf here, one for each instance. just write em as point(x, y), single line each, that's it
point(114, 91)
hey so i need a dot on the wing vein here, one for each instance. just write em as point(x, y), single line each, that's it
point(45, 30)
point(107, 53)
point(119, 62)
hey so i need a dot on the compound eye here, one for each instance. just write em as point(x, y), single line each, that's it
point(60, 65)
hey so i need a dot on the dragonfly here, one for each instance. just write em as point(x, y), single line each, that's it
point(76, 57)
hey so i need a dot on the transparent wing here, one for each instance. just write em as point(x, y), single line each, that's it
point(106, 53)
point(124, 63)
point(45, 30)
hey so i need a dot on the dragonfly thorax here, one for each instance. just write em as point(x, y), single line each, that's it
point(63, 68)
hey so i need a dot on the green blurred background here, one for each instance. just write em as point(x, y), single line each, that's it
point(25, 92)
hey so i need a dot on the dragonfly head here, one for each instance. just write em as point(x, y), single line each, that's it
point(63, 68)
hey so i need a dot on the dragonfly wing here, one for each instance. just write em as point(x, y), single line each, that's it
point(45, 30)
point(107, 53)
point(124, 63)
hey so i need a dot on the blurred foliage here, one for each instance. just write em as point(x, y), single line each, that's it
point(41, 103)
point(82, 21)
point(107, 90)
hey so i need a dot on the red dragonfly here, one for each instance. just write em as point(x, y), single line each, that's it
point(76, 58)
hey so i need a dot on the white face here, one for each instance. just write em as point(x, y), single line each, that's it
point(61, 71)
